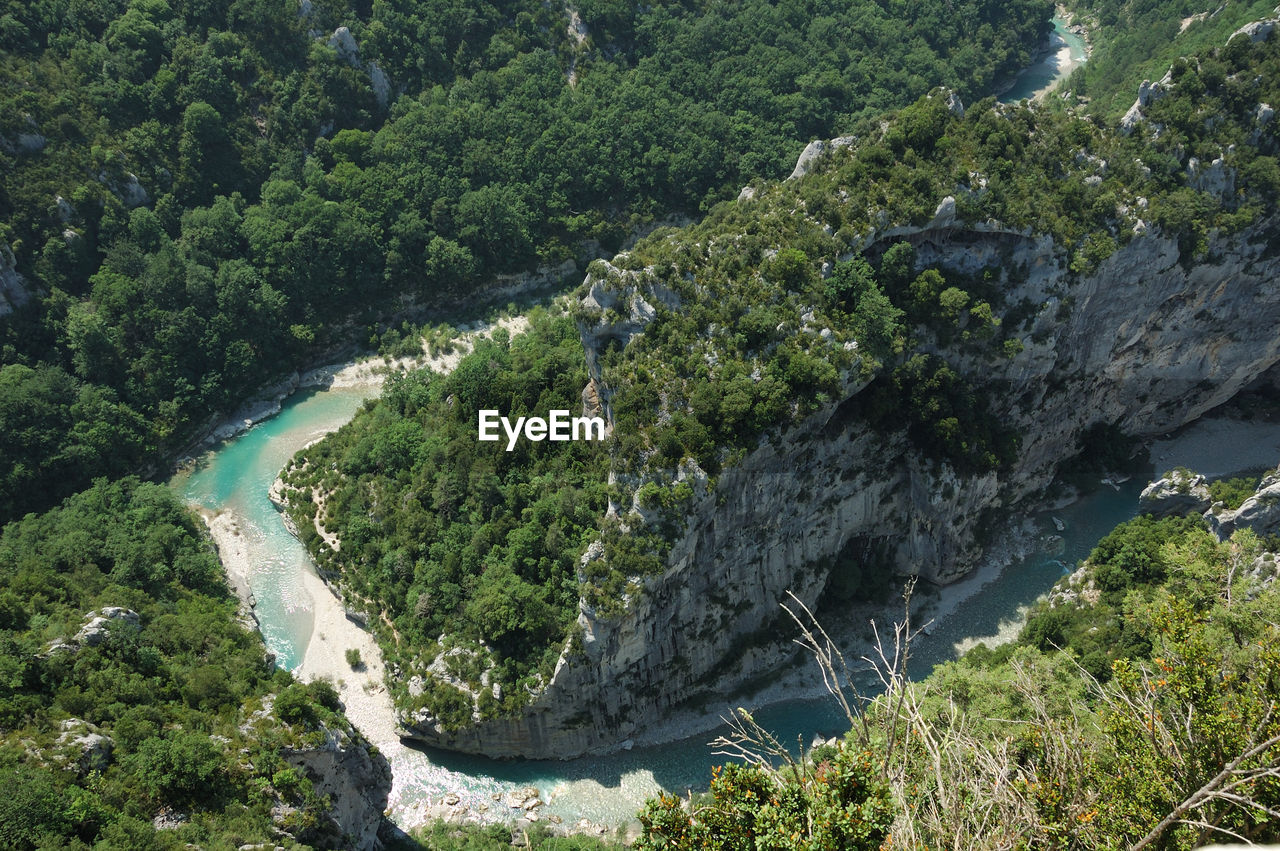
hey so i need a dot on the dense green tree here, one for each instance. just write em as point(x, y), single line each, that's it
point(185, 138)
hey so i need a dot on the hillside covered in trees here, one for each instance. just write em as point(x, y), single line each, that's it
point(136, 710)
point(762, 313)
point(199, 196)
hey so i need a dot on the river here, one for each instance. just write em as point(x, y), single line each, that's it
point(229, 485)
point(1066, 52)
point(233, 479)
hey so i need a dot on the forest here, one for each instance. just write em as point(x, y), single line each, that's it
point(130, 687)
point(750, 340)
point(482, 547)
point(1135, 40)
point(200, 196)
point(204, 195)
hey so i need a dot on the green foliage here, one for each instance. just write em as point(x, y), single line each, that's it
point(1233, 492)
point(171, 693)
point(182, 769)
point(759, 339)
point(484, 543)
point(947, 415)
point(836, 801)
point(872, 318)
point(1132, 554)
point(233, 191)
point(1133, 40)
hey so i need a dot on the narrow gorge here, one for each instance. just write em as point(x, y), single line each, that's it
point(1145, 344)
point(835, 381)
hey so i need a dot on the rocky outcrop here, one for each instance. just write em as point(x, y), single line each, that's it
point(1176, 493)
point(348, 51)
point(1257, 30)
point(1259, 513)
point(1147, 343)
point(1148, 93)
point(13, 289)
point(97, 627)
point(814, 151)
point(357, 781)
point(618, 305)
point(84, 747)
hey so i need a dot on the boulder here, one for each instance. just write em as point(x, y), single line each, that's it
point(1177, 493)
point(345, 43)
point(97, 625)
point(1260, 512)
point(1256, 31)
point(13, 288)
point(85, 746)
point(814, 150)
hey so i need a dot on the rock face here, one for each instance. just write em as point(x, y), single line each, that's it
point(13, 289)
point(349, 51)
point(86, 748)
point(1260, 512)
point(97, 625)
point(1147, 93)
point(1180, 492)
point(1146, 343)
point(814, 150)
point(356, 779)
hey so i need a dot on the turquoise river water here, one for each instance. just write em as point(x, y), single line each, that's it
point(1067, 51)
point(235, 477)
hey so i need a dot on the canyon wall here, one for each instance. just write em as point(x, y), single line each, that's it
point(1147, 342)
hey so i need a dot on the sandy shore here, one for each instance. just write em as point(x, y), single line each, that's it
point(363, 689)
point(373, 372)
point(232, 552)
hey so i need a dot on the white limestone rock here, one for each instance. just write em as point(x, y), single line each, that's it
point(945, 214)
point(1256, 31)
point(1178, 492)
point(98, 624)
point(65, 211)
point(84, 746)
point(1148, 93)
point(345, 43)
point(356, 779)
point(1217, 178)
point(13, 287)
point(814, 151)
point(380, 83)
point(1260, 512)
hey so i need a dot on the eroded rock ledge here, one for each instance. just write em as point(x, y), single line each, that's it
point(1146, 343)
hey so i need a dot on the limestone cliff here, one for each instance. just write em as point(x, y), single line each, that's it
point(349, 777)
point(13, 289)
point(1146, 343)
point(356, 780)
point(1106, 319)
